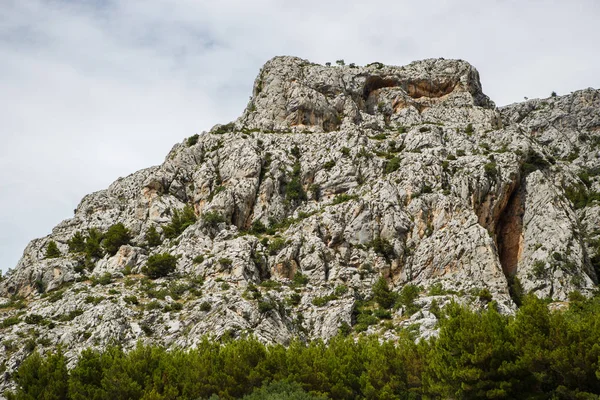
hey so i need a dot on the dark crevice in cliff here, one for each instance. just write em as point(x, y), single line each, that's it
point(509, 232)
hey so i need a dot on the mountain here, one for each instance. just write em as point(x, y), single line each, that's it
point(281, 223)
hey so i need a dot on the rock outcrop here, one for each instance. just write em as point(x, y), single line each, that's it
point(331, 178)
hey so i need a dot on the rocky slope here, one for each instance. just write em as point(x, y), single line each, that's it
point(331, 178)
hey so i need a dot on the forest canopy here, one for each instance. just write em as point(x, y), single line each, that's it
point(537, 353)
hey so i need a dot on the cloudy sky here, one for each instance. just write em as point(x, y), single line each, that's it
point(91, 90)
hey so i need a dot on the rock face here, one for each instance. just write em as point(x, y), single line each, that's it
point(331, 178)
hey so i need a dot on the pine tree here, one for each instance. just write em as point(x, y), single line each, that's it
point(52, 250)
point(382, 294)
point(152, 237)
point(116, 236)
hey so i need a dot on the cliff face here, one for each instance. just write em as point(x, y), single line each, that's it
point(333, 176)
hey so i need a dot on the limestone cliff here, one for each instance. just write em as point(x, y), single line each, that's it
point(331, 178)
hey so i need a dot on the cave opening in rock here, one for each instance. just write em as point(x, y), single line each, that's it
point(377, 82)
point(431, 88)
point(509, 232)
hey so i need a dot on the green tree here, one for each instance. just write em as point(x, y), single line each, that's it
point(159, 265)
point(152, 237)
point(85, 379)
point(382, 293)
point(294, 191)
point(93, 248)
point(41, 378)
point(180, 220)
point(281, 390)
point(52, 250)
point(116, 236)
point(77, 243)
point(473, 358)
point(212, 219)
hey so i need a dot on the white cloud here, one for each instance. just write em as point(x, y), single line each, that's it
point(93, 90)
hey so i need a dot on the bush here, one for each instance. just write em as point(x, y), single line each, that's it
point(198, 259)
point(153, 305)
point(180, 220)
point(52, 250)
point(192, 140)
point(276, 245)
point(265, 306)
point(222, 129)
point(490, 169)
point(10, 321)
point(281, 390)
point(469, 129)
point(407, 297)
point(226, 262)
point(382, 294)
point(299, 279)
point(294, 299)
point(539, 268)
point(392, 165)
point(382, 313)
point(133, 300)
point(205, 306)
point(381, 246)
point(116, 236)
point(33, 319)
point(159, 265)
point(77, 243)
point(212, 219)
point(341, 290)
point(321, 301)
point(485, 295)
point(258, 227)
point(95, 300)
point(104, 279)
point(152, 237)
point(294, 191)
point(93, 249)
point(342, 198)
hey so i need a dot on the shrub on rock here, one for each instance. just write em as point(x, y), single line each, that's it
point(159, 265)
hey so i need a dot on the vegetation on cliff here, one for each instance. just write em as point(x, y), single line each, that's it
point(537, 353)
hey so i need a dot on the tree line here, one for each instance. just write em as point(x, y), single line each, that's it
point(535, 354)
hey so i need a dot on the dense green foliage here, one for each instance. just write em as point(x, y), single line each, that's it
point(159, 265)
point(77, 243)
point(212, 219)
point(192, 140)
point(52, 250)
point(282, 390)
point(294, 191)
point(152, 237)
point(116, 236)
point(179, 221)
point(478, 355)
point(92, 244)
point(382, 294)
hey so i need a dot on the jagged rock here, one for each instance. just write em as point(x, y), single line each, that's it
point(331, 178)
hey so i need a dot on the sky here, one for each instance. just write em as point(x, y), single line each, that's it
point(92, 90)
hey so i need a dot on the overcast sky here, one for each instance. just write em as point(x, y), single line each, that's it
point(91, 90)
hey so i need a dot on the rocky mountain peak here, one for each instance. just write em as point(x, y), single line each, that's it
point(338, 187)
point(292, 94)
